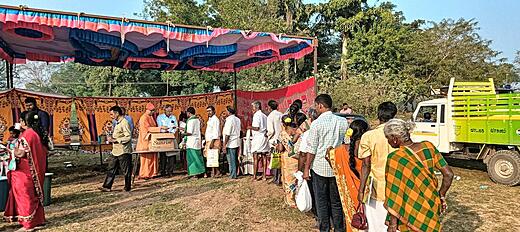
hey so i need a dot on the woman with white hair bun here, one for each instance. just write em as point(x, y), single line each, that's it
point(412, 199)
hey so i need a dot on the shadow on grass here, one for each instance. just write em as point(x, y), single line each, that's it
point(9, 227)
point(460, 218)
point(94, 205)
point(467, 164)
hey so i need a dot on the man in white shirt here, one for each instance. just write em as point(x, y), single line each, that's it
point(231, 134)
point(274, 128)
point(212, 136)
point(193, 144)
point(259, 144)
point(328, 130)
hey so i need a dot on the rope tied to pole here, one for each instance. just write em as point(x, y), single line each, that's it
point(207, 33)
point(169, 24)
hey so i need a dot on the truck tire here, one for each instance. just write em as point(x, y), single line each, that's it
point(504, 167)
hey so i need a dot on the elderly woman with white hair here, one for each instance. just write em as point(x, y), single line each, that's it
point(413, 200)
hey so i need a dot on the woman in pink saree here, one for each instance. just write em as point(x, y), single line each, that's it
point(25, 200)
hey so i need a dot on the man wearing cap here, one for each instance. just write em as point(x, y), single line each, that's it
point(149, 165)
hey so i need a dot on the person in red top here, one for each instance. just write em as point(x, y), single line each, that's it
point(25, 199)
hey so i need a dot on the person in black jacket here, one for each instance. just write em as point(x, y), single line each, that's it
point(45, 122)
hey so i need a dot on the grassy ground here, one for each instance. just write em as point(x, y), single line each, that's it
point(181, 204)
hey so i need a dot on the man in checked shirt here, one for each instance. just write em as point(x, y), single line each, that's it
point(326, 131)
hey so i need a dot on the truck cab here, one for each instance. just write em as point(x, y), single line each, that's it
point(431, 124)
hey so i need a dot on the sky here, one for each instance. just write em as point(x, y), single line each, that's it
point(499, 21)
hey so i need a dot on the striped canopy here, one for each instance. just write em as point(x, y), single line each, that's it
point(41, 35)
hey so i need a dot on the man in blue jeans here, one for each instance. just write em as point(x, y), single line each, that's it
point(326, 131)
point(231, 134)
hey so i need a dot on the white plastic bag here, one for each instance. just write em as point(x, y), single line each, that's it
point(212, 158)
point(303, 195)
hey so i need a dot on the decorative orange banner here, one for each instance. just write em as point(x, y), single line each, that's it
point(58, 107)
point(93, 112)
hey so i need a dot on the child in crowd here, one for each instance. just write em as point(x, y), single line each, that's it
point(5, 155)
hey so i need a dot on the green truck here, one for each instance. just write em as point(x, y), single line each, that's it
point(474, 122)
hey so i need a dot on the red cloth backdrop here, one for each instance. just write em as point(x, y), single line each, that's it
point(305, 91)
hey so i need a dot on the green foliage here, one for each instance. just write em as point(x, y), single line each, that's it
point(516, 66)
point(365, 92)
point(187, 12)
point(377, 41)
point(80, 80)
point(254, 15)
point(327, 79)
point(454, 49)
point(195, 82)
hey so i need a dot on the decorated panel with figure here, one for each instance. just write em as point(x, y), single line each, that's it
point(58, 107)
point(93, 112)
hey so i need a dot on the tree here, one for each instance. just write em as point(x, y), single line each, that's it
point(81, 80)
point(378, 41)
point(188, 12)
point(455, 49)
point(365, 92)
point(35, 76)
point(331, 18)
point(516, 67)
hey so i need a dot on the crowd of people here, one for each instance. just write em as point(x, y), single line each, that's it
point(359, 179)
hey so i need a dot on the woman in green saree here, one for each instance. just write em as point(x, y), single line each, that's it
point(413, 200)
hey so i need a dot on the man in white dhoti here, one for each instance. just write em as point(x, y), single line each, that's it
point(213, 142)
point(259, 143)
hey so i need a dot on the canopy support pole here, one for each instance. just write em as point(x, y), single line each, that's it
point(7, 78)
point(110, 81)
point(235, 103)
point(167, 87)
point(9, 72)
point(12, 76)
point(315, 56)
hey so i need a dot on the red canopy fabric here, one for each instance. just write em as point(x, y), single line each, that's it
point(33, 34)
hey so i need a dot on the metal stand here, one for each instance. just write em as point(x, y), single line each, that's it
point(235, 103)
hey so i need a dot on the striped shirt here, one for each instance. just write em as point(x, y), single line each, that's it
point(326, 131)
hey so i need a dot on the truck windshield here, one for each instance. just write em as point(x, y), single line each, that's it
point(427, 114)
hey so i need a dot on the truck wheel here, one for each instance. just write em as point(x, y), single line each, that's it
point(504, 167)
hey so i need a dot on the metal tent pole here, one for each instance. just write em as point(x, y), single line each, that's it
point(110, 81)
point(235, 103)
point(11, 75)
point(315, 57)
point(7, 74)
point(167, 86)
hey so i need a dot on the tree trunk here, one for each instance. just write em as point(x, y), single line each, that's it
point(344, 68)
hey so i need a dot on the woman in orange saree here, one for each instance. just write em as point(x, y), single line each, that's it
point(347, 167)
point(25, 200)
point(149, 163)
